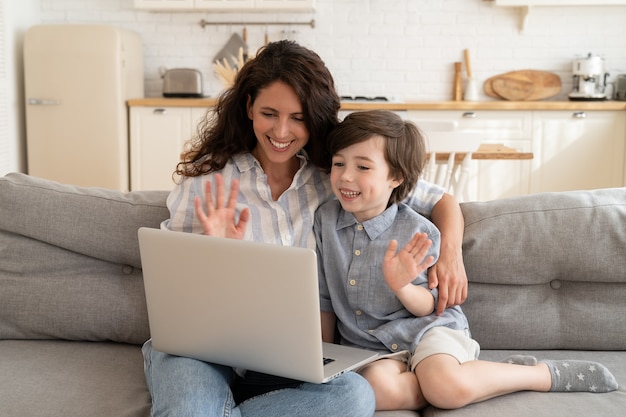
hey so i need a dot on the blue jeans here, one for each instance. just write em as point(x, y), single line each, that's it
point(184, 387)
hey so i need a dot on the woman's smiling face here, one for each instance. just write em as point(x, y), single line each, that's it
point(278, 123)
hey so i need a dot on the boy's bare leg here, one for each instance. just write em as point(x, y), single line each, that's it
point(447, 384)
point(395, 387)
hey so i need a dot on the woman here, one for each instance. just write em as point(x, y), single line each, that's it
point(268, 135)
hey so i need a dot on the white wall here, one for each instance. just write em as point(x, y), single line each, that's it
point(399, 48)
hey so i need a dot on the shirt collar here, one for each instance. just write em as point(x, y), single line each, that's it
point(246, 161)
point(373, 227)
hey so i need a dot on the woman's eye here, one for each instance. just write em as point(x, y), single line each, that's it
point(363, 168)
point(268, 114)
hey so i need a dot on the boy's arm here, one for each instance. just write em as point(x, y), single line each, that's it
point(448, 274)
point(418, 300)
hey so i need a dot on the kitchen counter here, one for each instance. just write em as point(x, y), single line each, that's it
point(525, 146)
point(411, 105)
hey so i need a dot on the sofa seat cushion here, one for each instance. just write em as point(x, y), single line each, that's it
point(72, 379)
point(537, 404)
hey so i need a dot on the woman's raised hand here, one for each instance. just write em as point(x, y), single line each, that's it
point(220, 219)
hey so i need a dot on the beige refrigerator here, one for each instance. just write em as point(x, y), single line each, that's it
point(77, 81)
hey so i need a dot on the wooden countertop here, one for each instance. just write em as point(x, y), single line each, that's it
point(411, 105)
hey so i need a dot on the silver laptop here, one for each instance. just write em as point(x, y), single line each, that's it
point(244, 304)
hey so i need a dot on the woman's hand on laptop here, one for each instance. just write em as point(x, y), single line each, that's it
point(220, 218)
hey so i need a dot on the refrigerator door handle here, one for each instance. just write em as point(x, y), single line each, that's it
point(43, 102)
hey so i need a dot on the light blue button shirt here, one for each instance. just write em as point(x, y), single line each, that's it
point(352, 285)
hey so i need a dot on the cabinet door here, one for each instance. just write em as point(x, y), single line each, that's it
point(198, 114)
point(164, 4)
point(578, 150)
point(157, 137)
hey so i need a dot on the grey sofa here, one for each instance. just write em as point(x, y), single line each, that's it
point(547, 276)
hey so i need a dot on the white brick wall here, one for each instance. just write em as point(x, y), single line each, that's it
point(399, 48)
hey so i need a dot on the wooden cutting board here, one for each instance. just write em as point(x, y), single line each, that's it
point(523, 85)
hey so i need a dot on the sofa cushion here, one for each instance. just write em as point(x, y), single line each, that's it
point(72, 379)
point(547, 271)
point(96, 222)
point(70, 260)
point(47, 292)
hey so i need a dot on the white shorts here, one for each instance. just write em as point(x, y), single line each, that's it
point(439, 340)
point(444, 340)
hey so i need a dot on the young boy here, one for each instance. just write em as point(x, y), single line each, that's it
point(378, 298)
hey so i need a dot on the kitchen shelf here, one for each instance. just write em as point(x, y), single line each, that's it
point(520, 3)
point(235, 6)
point(525, 6)
point(204, 23)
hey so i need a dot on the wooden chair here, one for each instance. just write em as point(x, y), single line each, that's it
point(450, 175)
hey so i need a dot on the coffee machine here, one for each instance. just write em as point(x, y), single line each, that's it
point(589, 79)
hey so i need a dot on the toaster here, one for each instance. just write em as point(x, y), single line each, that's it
point(182, 82)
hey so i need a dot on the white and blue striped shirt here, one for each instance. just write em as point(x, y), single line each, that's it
point(287, 221)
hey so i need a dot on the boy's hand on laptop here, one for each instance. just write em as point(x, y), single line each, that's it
point(220, 218)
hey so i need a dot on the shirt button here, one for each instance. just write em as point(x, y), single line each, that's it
point(357, 252)
point(353, 282)
point(358, 312)
point(288, 238)
point(359, 227)
point(394, 346)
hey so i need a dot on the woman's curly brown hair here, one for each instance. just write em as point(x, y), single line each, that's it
point(227, 130)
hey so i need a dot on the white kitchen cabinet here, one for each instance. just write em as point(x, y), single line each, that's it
point(227, 5)
point(578, 150)
point(571, 149)
point(157, 137)
point(488, 179)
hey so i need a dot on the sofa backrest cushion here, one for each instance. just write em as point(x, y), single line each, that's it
point(547, 271)
point(96, 222)
point(70, 265)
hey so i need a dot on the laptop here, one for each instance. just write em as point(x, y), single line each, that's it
point(244, 304)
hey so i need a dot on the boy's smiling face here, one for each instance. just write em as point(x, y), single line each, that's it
point(360, 178)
